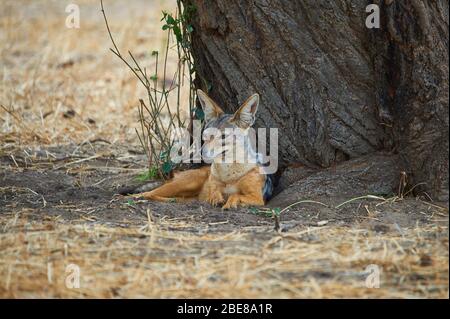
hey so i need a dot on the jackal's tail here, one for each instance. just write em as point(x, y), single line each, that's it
point(141, 188)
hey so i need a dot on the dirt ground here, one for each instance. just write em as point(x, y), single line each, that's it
point(58, 209)
point(68, 145)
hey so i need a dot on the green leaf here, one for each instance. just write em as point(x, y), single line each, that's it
point(167, 167)
point(164, 15)
point(199, 114)
point(276, 211)
point(170, 19)
point(177, 32)
point(151, 174)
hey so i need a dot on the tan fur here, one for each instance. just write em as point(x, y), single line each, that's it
point(230, 185)
point(230, 172)
point(247, 190)
point(202, 185)
point(183, 186)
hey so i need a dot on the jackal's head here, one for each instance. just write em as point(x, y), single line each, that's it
point(224, 132)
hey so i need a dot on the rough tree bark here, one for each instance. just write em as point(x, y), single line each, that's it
point(411, 62)
point(335, 89)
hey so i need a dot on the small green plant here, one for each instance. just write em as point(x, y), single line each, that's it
point(157, 117)
point(151, 174)
point(266, 212)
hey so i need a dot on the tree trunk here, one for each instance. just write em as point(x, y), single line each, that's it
point(411, 60)
point(335, 89)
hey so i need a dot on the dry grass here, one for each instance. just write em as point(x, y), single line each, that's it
point(152, 261)
point(61, 86)
point(47, 70)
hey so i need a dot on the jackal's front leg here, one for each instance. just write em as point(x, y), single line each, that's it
point(249, 193)
point(236, 200)
point(212, 192)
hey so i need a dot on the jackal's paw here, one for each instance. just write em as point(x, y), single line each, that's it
point(232, 202)
point(215, 198)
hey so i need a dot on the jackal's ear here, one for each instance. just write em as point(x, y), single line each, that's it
point(210, 108)
point(245, 115)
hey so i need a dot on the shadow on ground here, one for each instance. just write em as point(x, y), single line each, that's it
point(59, 206)
point(84, 186)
